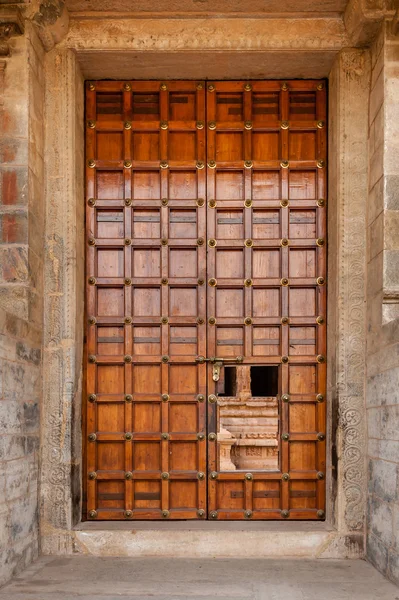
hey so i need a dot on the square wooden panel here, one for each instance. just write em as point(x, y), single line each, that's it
point(229, 263)
point(266, 302)
point(229, 341)
point(183, 417)
point(145, 145)
point(146, 301)
point(147, 417)
point(110, 262)
point(183, 185)
point(147, 379)
point(109, 106)
point(183, 456)
point(265, 146)
point(229, 146)
point(147, 494)
point(302, 456)
point(145, 106)
point(183, 493)
point(110, 456)
point(302, 302)
point(229, 185)
point(146, 223)
point(146, 185)
point(302, 263)
point(147, 456)
point(302, 417)
point(230, 495)
point(182, 106)
point(266, 341)
point(229, 224)
point(266, 107)
point(303, 494)
point(229, 107)
point(302, 224)
point(302, 145)
point(266, 224)
point(302, 106)
point(110, 340)
point(266, 495)
point(183, 301)
point(183, 263)
point(183, 340)
point(109, 185)
point(266, 263)
point(302, 341)
point(302, 185)
point(182, 146)
point(110, 379)
point(109, 146)
point(110, 416)
point(182, 223)
point(146, 341)
point(183, 379)
point(265, 185)
point(109, 224)
point(302, 379)
point(229, 302)
point(146, 262)
point(110, 302)
point(111, 494)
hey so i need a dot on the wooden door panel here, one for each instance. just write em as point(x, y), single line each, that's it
point(206, 233)
point(266, 275)
point(146, 252)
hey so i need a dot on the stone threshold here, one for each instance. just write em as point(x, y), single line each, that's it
point(204, 539)
point(276, 526)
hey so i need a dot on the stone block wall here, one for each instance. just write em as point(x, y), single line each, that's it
point(382, 380)
point(21, 299)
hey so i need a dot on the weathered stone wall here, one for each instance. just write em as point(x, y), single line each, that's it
point(21, 299)
point(383, 309)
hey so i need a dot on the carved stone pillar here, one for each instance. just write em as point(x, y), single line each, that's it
point(348, 191)
point(63, 325)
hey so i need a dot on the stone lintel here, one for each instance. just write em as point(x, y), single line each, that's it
point(363, 19)
point(11, 24)
point(213, 34)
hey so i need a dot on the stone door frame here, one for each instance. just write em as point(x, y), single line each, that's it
point(66, 68)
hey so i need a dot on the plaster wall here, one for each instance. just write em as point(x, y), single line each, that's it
point(21, 300)
point(383, 309)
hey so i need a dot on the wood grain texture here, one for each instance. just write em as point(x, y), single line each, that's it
point(188, 184)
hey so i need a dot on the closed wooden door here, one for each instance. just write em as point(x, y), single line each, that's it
point(206, 300)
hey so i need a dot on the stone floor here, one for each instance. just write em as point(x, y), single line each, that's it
point(92, 578)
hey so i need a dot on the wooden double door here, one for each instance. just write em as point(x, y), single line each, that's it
point(205, 300)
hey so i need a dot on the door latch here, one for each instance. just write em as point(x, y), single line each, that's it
point(217, 363)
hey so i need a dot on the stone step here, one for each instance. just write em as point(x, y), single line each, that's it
point(199, 539)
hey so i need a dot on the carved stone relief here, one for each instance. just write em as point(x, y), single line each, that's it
point(248, 428)
point(11, 24)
